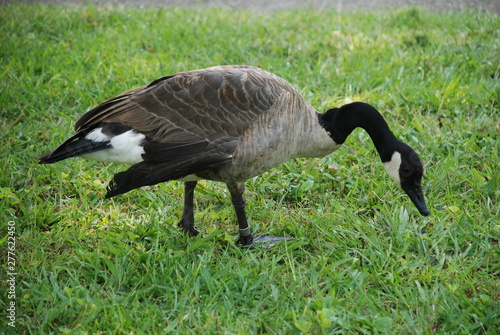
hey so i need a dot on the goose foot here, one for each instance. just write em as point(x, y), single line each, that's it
point(245, 241)
point(188, 228)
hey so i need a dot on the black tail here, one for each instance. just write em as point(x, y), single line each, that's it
point(74, 146)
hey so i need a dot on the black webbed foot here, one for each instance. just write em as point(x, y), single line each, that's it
point(245, 241)
point(188, 228)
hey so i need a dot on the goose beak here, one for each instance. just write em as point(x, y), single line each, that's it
point(417, 197)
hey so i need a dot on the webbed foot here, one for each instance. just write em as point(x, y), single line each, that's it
point(188, 228)
point(245, 241)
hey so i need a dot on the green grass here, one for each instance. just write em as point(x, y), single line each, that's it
point(362, 259)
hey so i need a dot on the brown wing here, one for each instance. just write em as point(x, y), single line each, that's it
point(193, 120)
point(192, 106)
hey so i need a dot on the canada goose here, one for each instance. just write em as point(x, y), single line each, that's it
point(224, 123)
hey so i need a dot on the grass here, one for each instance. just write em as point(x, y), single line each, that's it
point(362, 259)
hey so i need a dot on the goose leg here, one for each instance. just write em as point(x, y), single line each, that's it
point(246, 238)
point(187, 221)
point(236, 190)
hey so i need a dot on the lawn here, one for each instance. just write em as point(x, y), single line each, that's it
point(362, 259)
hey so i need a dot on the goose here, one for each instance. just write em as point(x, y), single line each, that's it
point(228, 124)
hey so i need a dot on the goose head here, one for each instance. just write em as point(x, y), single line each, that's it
point(400, 161)
point(406, 170)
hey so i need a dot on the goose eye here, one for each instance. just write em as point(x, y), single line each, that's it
point(406, 170)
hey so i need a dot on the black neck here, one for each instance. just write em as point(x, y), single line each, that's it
point(340, 122)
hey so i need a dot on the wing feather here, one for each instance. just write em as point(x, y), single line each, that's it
point(209, 103)
point(193, 121)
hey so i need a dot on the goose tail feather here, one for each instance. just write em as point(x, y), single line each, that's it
point(75, 146)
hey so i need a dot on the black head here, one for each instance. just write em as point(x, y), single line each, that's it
point(400, 161)
point(406, 169)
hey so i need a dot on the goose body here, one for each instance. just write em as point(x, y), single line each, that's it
point(225, 123)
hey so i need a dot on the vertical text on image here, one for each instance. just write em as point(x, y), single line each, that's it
point(11, 273)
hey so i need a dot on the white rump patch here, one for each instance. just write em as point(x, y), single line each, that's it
point(125, 148)
point(392, 167)
point(97, 135)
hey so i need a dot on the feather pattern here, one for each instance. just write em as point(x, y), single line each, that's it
point(204, 103)
point(225, 123)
